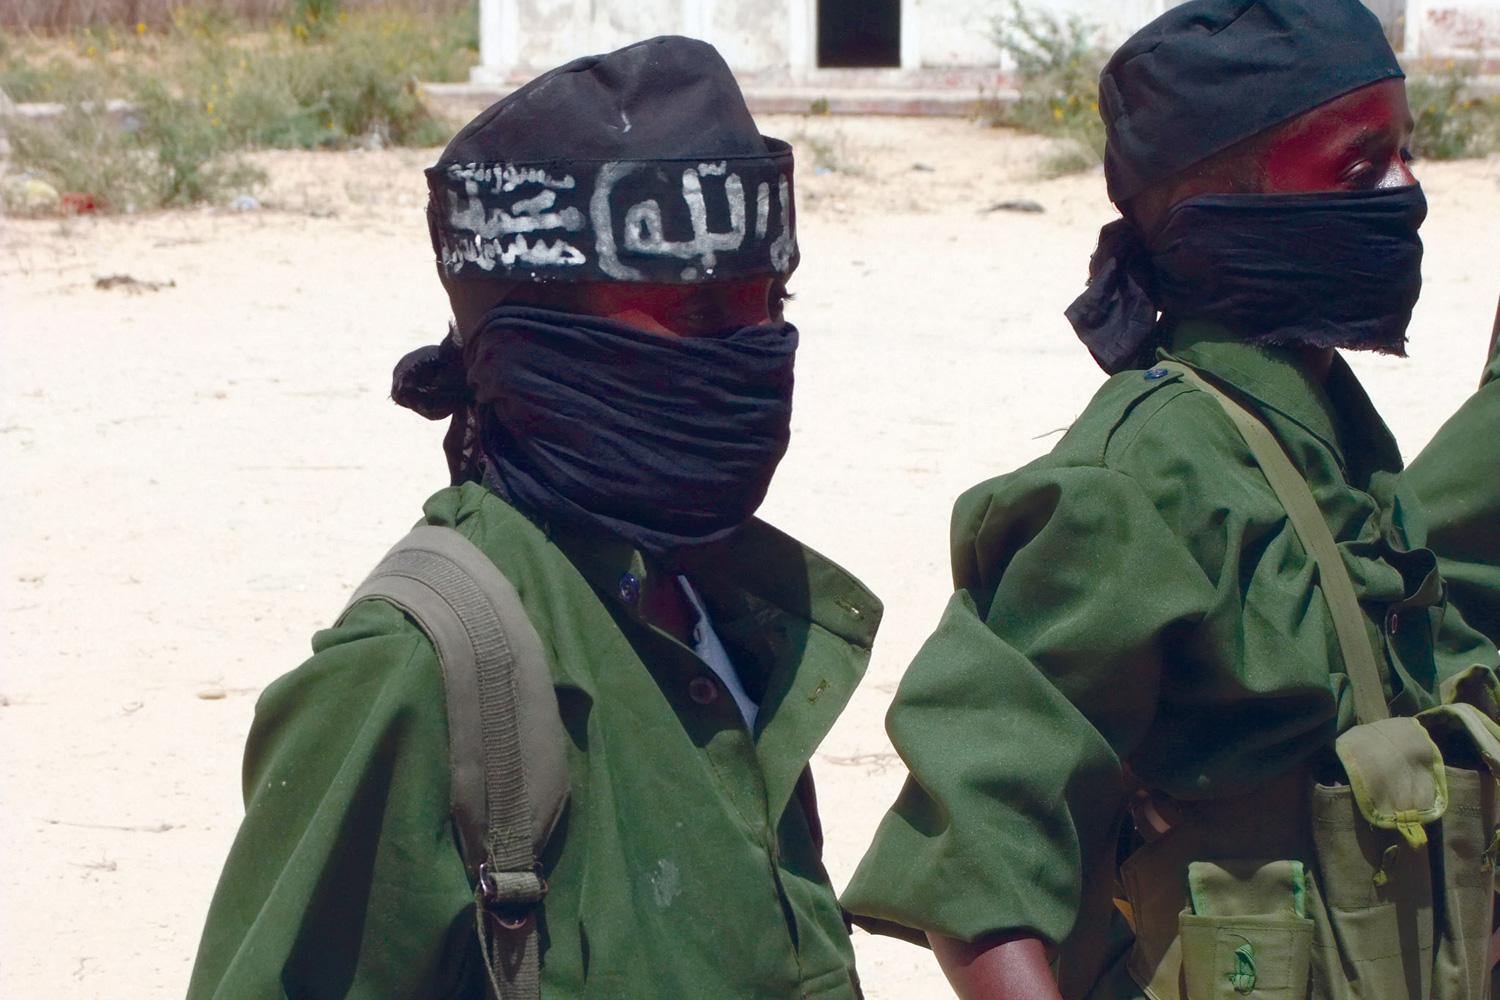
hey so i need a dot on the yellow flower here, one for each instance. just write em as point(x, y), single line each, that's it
point(215, 122)
point(91, 51)
point(140, 27)
point(1057, 114)
point(209, 107)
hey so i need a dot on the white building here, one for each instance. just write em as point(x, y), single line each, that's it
point(875, 42)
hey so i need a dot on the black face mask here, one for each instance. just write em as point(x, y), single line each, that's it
point(1339, 269)
point(668, 442)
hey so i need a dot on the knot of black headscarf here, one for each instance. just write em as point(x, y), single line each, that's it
point(668, 442)
point(1334, 269)
point(1115, 318)
point(430, 380)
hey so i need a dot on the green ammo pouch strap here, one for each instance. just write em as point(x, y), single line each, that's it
point(1395, 768)
point(1221, 902)
point(1295, 496)
point(506, 742)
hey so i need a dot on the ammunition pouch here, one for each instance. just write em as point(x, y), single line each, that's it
point(1377, 887)
point(1380, 888)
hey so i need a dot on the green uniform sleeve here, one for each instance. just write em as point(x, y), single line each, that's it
point(1013, 720)
point(344, 880)
point(1457, 479)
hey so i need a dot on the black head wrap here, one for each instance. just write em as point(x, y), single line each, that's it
point(1211, 73)
point(670, 442)
point(1193, 83)
point(640, 165)
point(643, 165)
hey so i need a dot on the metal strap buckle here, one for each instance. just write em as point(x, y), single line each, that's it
point(510, 897)
point(1154, 815)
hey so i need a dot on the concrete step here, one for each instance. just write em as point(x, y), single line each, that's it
point(955, 102)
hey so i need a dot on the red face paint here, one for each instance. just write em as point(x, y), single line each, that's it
point(1354, 143)
point(682, 310)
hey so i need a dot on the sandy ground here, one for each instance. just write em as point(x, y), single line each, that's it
point(195, 477)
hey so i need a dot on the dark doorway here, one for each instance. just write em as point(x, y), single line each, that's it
point(855, 33)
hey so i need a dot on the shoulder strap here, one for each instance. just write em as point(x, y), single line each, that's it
point(506, 743)
point(1292, 490)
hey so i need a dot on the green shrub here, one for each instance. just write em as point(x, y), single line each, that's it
point(365, 80)
point(1057, 70)
point(81, 151)
point(1057, 62)
point(1452, 122)
point(202, 91)
point(55, 76)
point(359, 83)
point(168, 155)
point(190, 156)
point(311, 20)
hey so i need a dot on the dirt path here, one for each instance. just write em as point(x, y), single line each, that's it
point(196, 476)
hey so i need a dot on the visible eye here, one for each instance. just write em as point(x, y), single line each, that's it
point(776, 299)
point(1407, 156)
point(1358, 173)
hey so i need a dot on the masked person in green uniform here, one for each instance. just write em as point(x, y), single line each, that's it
point(1205, 602)
point(1457, 478)
point(615, 238)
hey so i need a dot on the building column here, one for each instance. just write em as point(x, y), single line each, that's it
point(1411, 37)
point(911, 34)
point(499, 41)
point(801, 41)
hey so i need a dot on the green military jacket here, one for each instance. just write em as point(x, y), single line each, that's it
point(1138, 597)
point(1457, 478)
point(688, 862)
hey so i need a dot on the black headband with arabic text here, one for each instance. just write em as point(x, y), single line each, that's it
point(670, 221)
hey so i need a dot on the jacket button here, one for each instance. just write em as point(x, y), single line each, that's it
point(1156, 374)
point(630, 588)
point(702, 690)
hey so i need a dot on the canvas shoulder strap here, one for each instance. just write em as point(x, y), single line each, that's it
point(506, 743)
point(1360, 662)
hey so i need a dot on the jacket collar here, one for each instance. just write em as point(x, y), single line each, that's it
point(758, 560)
point(1338, 413)
point(807, 623)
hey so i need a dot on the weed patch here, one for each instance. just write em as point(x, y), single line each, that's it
point(203, 90)
point(1452, 122)
point(165, 155)
point(1057, 62)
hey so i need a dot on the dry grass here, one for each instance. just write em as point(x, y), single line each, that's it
point(1057, 63)
point(60, 16)
point(202, 89)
